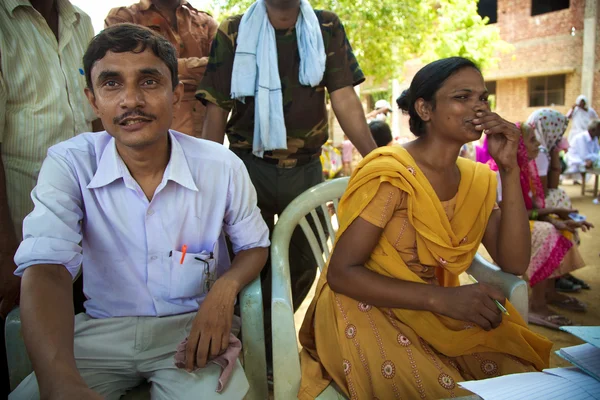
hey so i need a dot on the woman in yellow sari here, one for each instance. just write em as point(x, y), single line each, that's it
point(389, 318)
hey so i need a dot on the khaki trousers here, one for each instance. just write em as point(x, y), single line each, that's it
point(114, 355)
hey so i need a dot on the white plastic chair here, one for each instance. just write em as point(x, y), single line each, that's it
point(286, 361)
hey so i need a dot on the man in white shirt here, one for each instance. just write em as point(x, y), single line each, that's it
point(584, 151)
point(143, 209)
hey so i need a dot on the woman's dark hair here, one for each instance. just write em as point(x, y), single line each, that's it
point(121, 38)
point(425, 85)
point(382, 134)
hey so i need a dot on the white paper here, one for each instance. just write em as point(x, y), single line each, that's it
point(536, 386)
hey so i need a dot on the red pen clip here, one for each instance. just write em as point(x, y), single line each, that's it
point(183, 251)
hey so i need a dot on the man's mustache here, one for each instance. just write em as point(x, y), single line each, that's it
point(132, 113)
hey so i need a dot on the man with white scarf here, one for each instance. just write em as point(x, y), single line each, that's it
point(270, 68)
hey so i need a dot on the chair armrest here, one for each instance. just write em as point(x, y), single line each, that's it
point(253, 335)
point(513, 287)
point(286, 361)
point(19, 365)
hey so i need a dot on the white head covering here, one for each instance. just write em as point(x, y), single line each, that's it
point(549, 126)
point(582, 97)
point(382, 104)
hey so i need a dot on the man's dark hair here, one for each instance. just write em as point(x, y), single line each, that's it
point(425, 85)
point(382, 134)
point(121, 38)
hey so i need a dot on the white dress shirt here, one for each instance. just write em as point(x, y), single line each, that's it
point(90, 210)
point(583, 148)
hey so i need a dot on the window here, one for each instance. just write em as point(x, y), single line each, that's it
point(488, 8)
point(545, 6)
point(547, 91)
point(491, 87)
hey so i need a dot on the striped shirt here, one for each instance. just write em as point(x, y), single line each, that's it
point(42, 101)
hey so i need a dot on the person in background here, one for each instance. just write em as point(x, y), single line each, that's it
point(41, 103)
point(347, 155)
point(382, 134)
point(381, 112)
point(580, 115)
point(584, 150)
point(481, 153)
point(141, 210)
point(271, 68)
point(553, 249)
point(191, 32)
point(331, 160)
point(549, 127)
point(389, 318)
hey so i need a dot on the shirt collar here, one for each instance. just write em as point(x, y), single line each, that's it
point(178, 169)
point(111, 167)
point(66, 10)
point(146, 4)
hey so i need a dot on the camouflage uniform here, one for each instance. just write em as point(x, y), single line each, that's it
point(283, 174)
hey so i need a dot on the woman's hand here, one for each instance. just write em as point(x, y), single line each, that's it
point(503, 138)
point(472, 303)
point(571, 226)
point(563, 213)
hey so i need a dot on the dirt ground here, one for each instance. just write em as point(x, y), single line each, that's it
point(589, 248)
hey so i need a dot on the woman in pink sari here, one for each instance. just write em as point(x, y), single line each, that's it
point(553, 252)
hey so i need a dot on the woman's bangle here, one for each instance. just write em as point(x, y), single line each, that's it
point(534, 214)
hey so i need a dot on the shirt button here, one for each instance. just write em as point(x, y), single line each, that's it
point(150, 212)
point(153, 257)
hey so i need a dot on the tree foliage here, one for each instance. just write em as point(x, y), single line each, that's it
point(385, 34)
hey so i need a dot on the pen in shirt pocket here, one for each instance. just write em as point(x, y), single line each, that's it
point(183, 252)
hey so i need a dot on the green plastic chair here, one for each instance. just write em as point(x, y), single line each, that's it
point(255, 364)
point(286, 361)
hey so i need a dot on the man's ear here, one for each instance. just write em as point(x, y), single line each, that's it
point(177, 95)
point(423, 108)
point(92, 100)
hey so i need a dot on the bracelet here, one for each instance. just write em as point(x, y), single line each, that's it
point(534, 214)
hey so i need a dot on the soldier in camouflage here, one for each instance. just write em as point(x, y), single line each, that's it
point(281, 175)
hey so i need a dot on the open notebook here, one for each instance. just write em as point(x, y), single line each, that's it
point(585, 356)
point(551, 384)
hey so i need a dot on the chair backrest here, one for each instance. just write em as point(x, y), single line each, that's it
point(286, 363)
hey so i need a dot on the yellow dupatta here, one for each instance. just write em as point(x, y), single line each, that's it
point(449, 244)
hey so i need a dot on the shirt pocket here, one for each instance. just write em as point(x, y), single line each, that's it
point(194, 276)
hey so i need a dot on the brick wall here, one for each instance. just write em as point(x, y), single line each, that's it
point(517, 24)
point(543, 45)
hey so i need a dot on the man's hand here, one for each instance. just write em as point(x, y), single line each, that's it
point(589, 164)
point(10, 285)
point(210, 331)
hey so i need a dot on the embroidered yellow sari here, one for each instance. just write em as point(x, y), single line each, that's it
point(386, 353)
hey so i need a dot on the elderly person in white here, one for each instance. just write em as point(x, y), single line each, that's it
point(580, 115)
point(584, 152)
point(142, 208)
